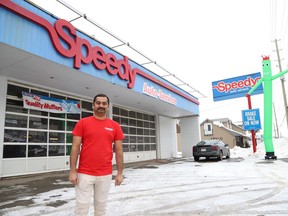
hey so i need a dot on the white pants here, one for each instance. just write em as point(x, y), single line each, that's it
point(87, 184)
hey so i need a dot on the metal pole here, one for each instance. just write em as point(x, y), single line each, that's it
point(252, 131)
point(283, 84)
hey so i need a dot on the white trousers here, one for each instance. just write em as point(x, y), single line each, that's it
point(100, 185)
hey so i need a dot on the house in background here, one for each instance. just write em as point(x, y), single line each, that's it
point(224, 129)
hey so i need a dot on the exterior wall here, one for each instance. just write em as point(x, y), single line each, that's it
point(219, 133)
point(168, 137)
point(190, 134)
point(3, 90)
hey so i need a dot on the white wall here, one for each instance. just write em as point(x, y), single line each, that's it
point(190, 134)
point(168, 138)
point(3, 91)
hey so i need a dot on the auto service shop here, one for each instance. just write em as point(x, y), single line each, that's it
point(50, 72)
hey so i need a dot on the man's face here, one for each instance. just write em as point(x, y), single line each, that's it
point(100, 105)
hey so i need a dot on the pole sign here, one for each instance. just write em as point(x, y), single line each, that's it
point(236, 87)
point(251, 119)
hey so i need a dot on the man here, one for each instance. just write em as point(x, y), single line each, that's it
point(96, 134)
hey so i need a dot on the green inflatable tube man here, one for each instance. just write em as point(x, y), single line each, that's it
point(267, 80)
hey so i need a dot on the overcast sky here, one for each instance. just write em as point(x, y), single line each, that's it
point(202, 41)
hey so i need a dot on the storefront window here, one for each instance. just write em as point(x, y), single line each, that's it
point(15, 136)
point(14, 151)
point(56, 124)
point(37, 150)
point(15, 106)
point(55, 137)
point(37, 137)
point(15, 121)
point(38, 123)
point(56, 150)
point(139, 129)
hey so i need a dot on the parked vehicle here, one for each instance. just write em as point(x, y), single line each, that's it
point(211, 148)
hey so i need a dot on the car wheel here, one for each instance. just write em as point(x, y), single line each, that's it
point(196, 158)
point(220, 156)
point(228, 154)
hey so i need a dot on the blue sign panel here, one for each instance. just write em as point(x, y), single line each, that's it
point(251, 119)
point(236, 87)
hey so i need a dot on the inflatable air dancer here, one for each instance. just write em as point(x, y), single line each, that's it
point(267, 80)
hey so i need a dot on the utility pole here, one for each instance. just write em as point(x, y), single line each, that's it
point(277, 129)
point(282, 82)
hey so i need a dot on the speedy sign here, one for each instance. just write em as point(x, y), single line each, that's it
point(251, 119)
point(236, 87)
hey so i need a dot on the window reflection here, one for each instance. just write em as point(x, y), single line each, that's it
point(55, 137)
point(37, 151)
point(38, 123)
point(56, 124)
point(15, 121)
point(37, 137)
point(15, 135)
point(56, 150)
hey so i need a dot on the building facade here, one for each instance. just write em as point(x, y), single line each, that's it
point(49, 74)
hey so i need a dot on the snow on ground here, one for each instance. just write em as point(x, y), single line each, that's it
point(246, 185)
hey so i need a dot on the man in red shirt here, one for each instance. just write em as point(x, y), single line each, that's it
point(97, 134)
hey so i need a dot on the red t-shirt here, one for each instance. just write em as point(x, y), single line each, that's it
point(97, 139)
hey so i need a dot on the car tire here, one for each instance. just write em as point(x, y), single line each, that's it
point(220, 156)
point(228, 154)
point(196, 158)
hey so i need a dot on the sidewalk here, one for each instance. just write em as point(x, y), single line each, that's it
point(14, 188)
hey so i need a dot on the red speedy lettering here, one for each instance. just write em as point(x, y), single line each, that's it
point(226, 87)
point(84, 53)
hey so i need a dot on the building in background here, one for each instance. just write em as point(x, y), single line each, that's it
point(224, 129)
point(49, 74)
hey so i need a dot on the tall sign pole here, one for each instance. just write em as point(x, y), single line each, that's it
point(282, 82)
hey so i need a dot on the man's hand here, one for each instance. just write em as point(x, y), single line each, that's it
point(73, 178)
point(118, 179)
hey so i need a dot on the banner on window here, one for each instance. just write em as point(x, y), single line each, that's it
point(47, 104)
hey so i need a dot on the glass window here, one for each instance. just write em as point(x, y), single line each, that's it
point(69, 137)
point(132, 122)
point(140, 139)
point(56, 124)
point(58, 115)
point(146, 140)
point(147, 147)
point(15, 136)
point(140, 131)
point(15, 106)
point(68, 149)
point(132, 130)
point(146, 132)
point(124, 112)
point(15, 90)
point(146, 124)
point(56, 150)
point(133, 148)
point(38, 92)
point(86, 114)
point(15, 121)
point(153, 147)
point(37, 137)
point(37, 150)
point(14, 151)
point(38, 123)
point(86, 105)
point(152, 125)
point(152, 118)
point(145, 117)
point(37, 112)
point(125, 148)
point(55, 137)
point(57, 96)
point(132, 114)
point(132, 139)
point(70, 125)
point(116, 118)
point(116, 111)
point(139, 115)
point(126, 139)
point(140, 147)
point(124, 121)
point(152, 132)
point(139, 123)
point(125, 130)
point(73, 116)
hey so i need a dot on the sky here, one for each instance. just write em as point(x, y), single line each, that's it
point(201, 42)
point(245, 184)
